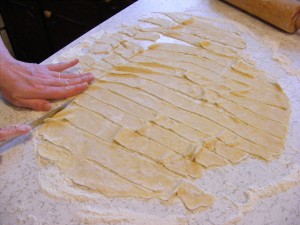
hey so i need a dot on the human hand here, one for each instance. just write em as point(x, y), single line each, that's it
point(13, 131)
point(31, 85)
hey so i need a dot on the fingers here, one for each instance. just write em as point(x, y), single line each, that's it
point(70, 82)
point(36, 104)
point(13, 131)
point(72, 75)
point(36, 84)
point(62, 66)
point(50, 92)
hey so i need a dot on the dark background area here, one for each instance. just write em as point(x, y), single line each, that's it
point(39, 28)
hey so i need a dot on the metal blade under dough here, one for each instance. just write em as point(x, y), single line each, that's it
point(35, 123)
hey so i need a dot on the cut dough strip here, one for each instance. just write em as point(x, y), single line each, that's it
point(89, 121)
point(166, 23)
point(147, 36)
point(128, 49)
point(210, 159)
point(213, 34)
point(190, 50)
point(177, 56)
point(206, 44)
point(110, 112)
point(117, 101)
point(158, 152)
point(114, 59)
point(186, 19)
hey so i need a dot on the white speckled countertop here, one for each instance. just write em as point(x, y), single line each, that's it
point(22, 202)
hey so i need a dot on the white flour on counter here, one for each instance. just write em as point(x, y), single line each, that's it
point(251, 192)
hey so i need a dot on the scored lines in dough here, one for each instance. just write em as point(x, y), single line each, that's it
point(110, 131)
point(208, 95)
point(128, 165)
point(215, 116)
point(190, 119)
point(215, 83)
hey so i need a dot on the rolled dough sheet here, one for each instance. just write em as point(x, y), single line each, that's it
point(161, 115)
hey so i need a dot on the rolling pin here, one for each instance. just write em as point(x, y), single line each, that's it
point(284, 14)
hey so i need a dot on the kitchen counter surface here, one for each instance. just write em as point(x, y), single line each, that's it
point(21, 199)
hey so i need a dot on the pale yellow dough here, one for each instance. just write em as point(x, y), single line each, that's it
point(156, 119)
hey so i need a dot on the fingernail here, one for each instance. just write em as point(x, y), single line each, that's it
point(46, 106)
point(85, 85)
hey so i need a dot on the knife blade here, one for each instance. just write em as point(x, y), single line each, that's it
point(35, 123)
point(40, 120)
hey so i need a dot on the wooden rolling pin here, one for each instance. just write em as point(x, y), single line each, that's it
point(284, 14)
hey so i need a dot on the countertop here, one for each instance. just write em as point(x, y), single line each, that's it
point(21, 199)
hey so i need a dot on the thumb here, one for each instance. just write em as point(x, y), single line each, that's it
point(13, 131)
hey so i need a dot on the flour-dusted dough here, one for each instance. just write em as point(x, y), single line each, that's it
point(199, 123)
point(135, 169)
point(215, 116)
point(208, 159)
point(189, 50)
point(88, 174)
point(158, 152)
point(148, 36)
point(93, 122)
point(158, 117)
point(211, 33)
point(114, 114)
point(114, 59)
point(109, 131)
point(99, 48)
point(112, 157)
point(206, 44)
point(210, 95)
point(121, 103)
point(128, 49)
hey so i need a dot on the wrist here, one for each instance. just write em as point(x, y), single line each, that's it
point(6, 61)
